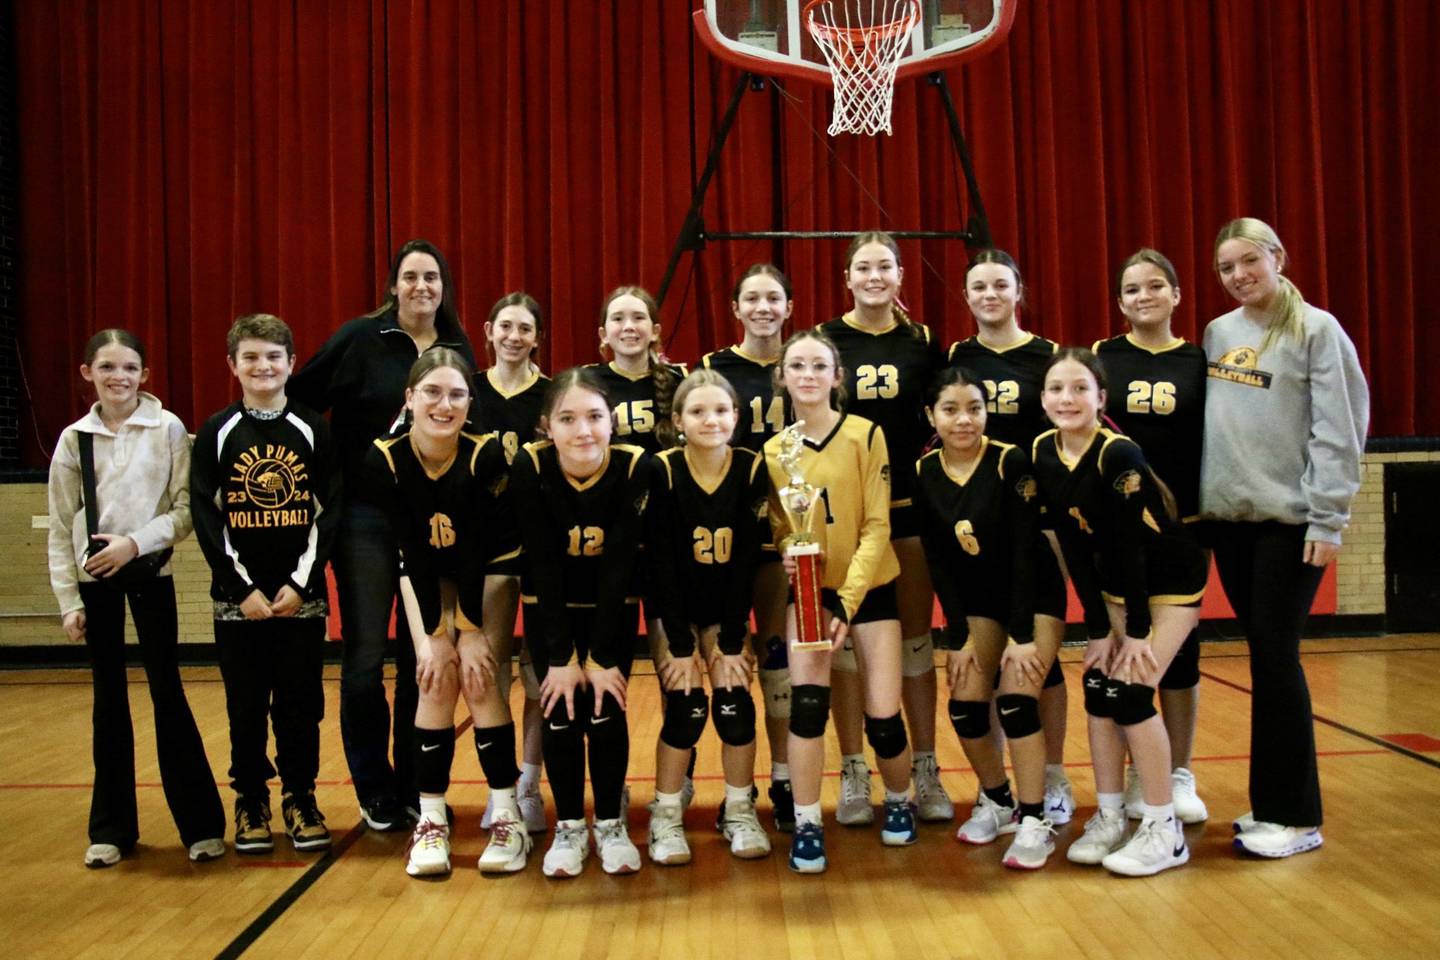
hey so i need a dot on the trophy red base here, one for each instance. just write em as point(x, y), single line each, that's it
point(811, 618)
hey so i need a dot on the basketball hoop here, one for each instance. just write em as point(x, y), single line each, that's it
point(863, 42)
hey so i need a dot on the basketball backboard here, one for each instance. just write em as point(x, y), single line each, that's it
point(768, 37)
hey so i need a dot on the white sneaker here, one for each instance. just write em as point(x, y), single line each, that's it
point(428, 853)
point(855, 808)
point(1154, 847)
point(100, 855)
point(741, 827)
point(489, 816)
point(1243, 822)
point(1189, 808)
point(509, 844)
point(612, 842)
point(667, 842)
point(1104, 833)
point(931, 800)
point(568, 850)
point(1059, 801)
point(1275, 841)
point(1034, 842)
point(532, 810)
point(988, 820)
point(1134, 796)
point(202, 851)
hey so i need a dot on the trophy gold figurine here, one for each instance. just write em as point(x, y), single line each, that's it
point(799, 499)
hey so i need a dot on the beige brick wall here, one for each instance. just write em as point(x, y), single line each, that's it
point(1360, 571)
point(28, 612)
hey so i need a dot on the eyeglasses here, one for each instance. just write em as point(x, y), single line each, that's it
point(434, 394)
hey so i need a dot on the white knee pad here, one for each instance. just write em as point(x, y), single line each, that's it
point(844, 658)
point(917, 656)
point(775, 685)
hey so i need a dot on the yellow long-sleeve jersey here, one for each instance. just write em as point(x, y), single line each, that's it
point(851, 469)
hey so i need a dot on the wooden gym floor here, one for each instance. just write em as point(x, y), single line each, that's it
point(1372, 891)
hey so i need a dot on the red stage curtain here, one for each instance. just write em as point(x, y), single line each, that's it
point(184, 163)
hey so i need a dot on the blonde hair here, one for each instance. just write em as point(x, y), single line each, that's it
point(1288, 311)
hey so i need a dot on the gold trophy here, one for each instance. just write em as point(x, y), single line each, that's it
point(799, 499)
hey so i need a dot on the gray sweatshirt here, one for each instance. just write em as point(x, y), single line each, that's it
point(1284, 430)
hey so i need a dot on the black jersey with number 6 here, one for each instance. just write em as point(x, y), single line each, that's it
point(1014, 377)
point(705, 544)
point(886, 375)
point(1157, 396)
point(981, 533)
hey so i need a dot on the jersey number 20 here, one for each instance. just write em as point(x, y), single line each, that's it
point(713, 546)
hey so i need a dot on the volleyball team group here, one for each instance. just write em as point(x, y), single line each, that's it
point(634, 489)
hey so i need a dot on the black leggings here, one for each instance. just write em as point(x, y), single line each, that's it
point(1271, 589)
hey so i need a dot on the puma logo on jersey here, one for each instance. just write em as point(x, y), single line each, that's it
point(1128, 483)
point(1027, 488)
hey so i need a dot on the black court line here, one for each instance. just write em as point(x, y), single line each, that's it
point(1344, 728)
point(296, 890)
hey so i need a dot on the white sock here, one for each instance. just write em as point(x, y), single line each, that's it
point(1055, 773)
point(735, 796)
point(667, 800)
point(849, 758)
point(529, 777)
point(433, 809)
point(918, 755)
point(808, 813)
point(892, 797)
point(779, 771)
point(1110, 801)
point(1162, 812)
point(504, 799)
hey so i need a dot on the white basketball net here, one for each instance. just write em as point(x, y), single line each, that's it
point(863, 41)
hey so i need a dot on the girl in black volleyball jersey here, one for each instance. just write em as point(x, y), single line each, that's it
point(890, 360)
point(583, 500)
point(638, 380)
point(995, 574)
point(443, 490)
point(507, 401)
point(706, 505)
point(1012, 365)
point(1140, 577)
point(762, 302)
point(1159, 402)
point(843, 456)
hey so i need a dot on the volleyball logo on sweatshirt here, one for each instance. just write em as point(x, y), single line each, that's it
point(1238, 366)
point(272, 478)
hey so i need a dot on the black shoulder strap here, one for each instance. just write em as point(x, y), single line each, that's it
point(87, 478)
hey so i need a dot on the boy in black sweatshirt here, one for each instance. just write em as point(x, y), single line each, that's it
point(265, 490)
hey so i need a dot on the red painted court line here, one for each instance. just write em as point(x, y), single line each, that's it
point(1419, 742)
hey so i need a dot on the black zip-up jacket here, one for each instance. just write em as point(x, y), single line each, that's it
point(358, 376)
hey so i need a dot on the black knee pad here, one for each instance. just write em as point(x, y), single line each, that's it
point(734, 716)
point(886, 735)
point(1096, 703)
point(1136, 704)
point(1019, 714)
point(685, 715)
point(434, 752)
point(809, 710)
point(970, 718)
point(1184, 671)
point(1056, 676)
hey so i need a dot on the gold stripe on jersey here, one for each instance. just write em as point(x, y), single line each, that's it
point(1160, 599)
point(1026, 339)
point(511, 394)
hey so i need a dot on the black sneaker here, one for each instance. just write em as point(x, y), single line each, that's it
point(384, 814)
point(304, 822)
point(252, 824)
point(782, 801)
